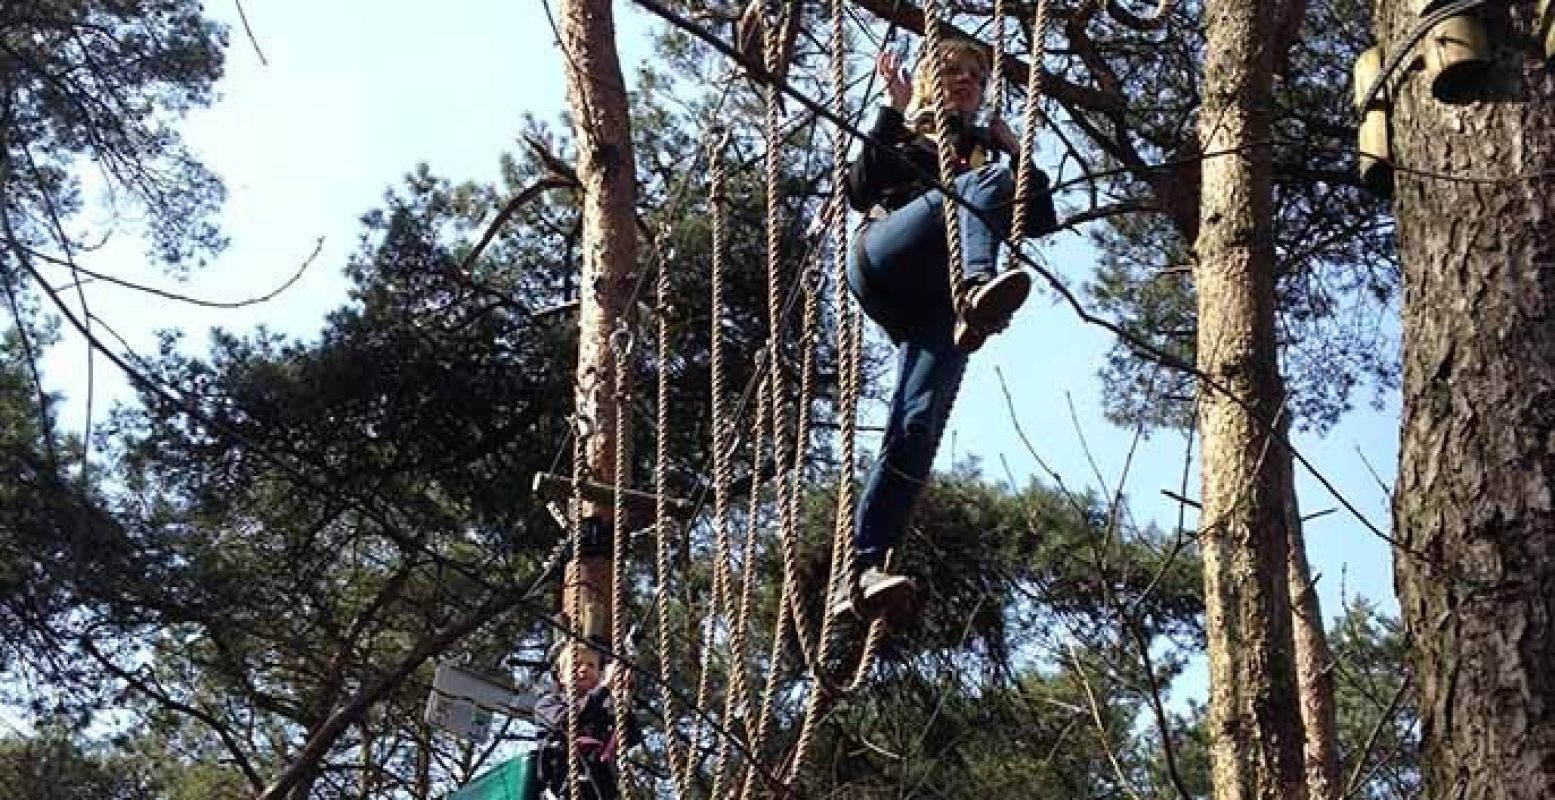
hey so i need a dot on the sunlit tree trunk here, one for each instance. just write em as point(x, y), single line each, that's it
point(1255, 721)
point(422, 788)
point(369, 777)
point(1474, 505)
point(1314, 668)
point(596, 100)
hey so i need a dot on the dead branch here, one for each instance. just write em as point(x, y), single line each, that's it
point(1101, 726)
point(1108, 211)
point(1356, 779)
point(559, 175)
point(324, 735)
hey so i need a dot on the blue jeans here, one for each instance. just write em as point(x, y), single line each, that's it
point(898, 271)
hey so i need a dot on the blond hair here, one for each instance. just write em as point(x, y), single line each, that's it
point(925, 75)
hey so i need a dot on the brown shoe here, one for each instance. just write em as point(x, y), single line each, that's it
point(987, 308)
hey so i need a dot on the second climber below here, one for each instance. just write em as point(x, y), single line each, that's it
point(899, 271)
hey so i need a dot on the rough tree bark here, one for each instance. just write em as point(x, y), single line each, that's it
point(1255, 722)
point(1474, 505)
point(1314, 668)
point(596, 100)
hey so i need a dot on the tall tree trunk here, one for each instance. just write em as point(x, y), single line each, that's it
point(1255, 722)
point(1314, 668)
point(1474, 506)
point(421, 786)
point(596, 100)
point(303, 789)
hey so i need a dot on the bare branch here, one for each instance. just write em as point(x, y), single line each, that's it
point(318, 246)
point(249, 31)
point(323, 737)
point(523, 198)
point(1108, 211)
point(228, 739)
point(1101, 725)
point(1356, 780)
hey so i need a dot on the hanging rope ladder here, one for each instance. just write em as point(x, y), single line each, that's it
point(718, 626)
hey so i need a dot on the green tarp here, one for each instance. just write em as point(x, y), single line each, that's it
point(513, 779)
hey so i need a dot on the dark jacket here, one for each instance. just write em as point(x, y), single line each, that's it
point(596, 721)
point(896, 165)
point(596, 717)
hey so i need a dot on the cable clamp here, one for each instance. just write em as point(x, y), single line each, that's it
point(621, 339)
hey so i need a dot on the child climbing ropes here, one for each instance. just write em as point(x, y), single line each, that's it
point(898, 270)
point(598, 745)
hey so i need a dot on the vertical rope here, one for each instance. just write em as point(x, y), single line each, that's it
point(717, 390)
point(841, 531)
point(814, 283)
point(575, 602)
point(934, 38)
point(737, 700)
point(786, 484)
point(1028, 133)
point(785, 478)
point(872, 642)
point(721, 429)
point(774, 229)
point(847, 332)
point(621, 348)
point(996, 67)
point(849, 324)
point(848, 349)
point(661, 308)
point(774, 664)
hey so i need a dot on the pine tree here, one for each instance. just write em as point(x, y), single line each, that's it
point(1475, 552)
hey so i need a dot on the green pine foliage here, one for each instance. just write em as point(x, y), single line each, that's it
point(1379, 733)
point(1031, 605)
point(106, 81)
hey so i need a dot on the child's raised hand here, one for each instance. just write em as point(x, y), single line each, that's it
point(898, 84)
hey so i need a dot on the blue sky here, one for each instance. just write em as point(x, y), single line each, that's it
point(356, 93)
